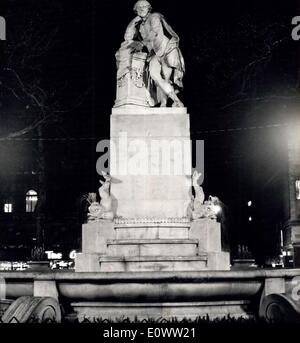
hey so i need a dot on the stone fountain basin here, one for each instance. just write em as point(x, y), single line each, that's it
point(154, 293)
point(145, 285)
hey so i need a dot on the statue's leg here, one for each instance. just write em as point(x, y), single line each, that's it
point(155, 70)
point(169, 66)
point(167, 73)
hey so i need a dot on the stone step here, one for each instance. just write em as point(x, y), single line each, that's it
point(152, 232)
point(152, 247)
point(152, 263)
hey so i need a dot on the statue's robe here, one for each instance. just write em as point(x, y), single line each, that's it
point(160, 40)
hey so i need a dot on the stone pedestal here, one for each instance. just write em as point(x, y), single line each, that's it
point(149, 245)
point(208, 232)
point(131, 88)
point(150, 165)
point(94, 238)
point(151, 162)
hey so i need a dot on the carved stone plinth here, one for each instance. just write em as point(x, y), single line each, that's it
point(131, 88)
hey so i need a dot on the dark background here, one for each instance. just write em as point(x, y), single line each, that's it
point(241, 90)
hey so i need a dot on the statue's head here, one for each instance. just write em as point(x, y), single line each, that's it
point(142, 8)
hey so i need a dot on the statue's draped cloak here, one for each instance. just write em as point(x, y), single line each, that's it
point(174, 60)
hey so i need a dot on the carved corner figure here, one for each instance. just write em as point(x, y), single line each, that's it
point(199, 208)
point(149, 61)
point(102, 210)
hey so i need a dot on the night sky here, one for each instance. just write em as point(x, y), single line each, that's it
point(240, 90)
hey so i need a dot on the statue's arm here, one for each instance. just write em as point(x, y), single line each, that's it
point(131, 29)
point(156, 27)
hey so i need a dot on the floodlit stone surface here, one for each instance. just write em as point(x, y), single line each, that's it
point(87, 262)
point(152, 263)
point(218, 261)
point(95, 235)
point(151, 163)
point(151, 188)
point(208, 232)
point(137, 110)
point(159, 247)
point(151, 232)
point(133, 245)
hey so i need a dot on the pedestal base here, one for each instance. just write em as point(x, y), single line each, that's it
point(162, 245)
point(150, 168)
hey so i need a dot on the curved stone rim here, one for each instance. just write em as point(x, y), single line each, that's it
point(167, 276)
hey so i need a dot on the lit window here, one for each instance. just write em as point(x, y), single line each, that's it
point(8, 208)
point(31, 200)
point(298, 189)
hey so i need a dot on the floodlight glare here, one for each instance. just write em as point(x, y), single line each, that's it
point(217, 209)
